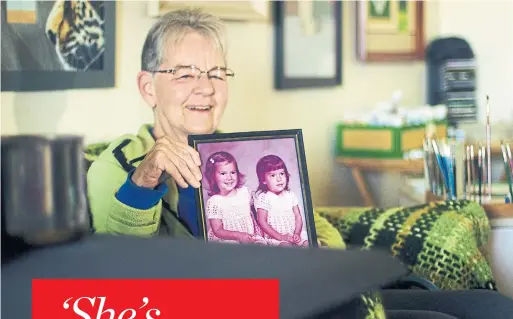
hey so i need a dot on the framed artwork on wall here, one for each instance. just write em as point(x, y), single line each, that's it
point(390, 30)
point(255, 189)
point(244, 10)
point(58, 45)
point(307, 44)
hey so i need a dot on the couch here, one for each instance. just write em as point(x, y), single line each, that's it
point(441, 243)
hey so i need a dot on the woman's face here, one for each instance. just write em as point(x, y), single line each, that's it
point(188, 105)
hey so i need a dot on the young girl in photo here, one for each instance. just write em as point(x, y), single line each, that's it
point(278, 213)
point(228, 211)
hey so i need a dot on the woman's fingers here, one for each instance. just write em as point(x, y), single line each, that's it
point(183, 153)
point(171, 169)
point(183, 157)
point(161, 155)
point(192, 158)
point(194, 155)
point(180, 163)
point(187, 149)
point(185, 171)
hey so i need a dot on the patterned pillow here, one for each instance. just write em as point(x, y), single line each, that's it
point(442, 242)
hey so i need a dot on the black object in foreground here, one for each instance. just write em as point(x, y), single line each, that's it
point(312, 281)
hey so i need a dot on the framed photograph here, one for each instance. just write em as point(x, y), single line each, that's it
point(255, 189)
point(58, 45)
point(390, 30)
point(244, 10)
point(307, 44)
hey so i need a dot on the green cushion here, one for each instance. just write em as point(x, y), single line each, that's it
point(441, 242)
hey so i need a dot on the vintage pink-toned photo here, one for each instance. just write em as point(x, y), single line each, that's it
point(253, 192)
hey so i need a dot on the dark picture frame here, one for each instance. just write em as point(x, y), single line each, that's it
point(282, 81)
point(48, 80)
point(245, 150)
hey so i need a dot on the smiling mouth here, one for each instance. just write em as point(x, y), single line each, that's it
point(279, 185)
point(199, 108)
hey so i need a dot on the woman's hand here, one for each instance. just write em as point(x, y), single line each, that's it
point(177, 159)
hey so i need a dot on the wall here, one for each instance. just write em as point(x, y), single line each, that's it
point(254, 105)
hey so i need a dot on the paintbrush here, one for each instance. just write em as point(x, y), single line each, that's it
point(505, 157)
point(510, 158)
point(484, 178)
point(432, 167)
point(459, 164)
point(428, 171)
point(439, 185)
point(473, 171)
point(441, 165)
point(448, 158)
point(468, 172)
point(486, 191)
point(479, 172)
point(488, 149)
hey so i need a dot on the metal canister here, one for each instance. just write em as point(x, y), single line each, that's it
point(43, 188)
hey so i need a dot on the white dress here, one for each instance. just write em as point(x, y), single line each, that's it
point(234, 211)
point(279, 212)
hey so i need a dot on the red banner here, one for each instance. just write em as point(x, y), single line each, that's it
point(154, 298)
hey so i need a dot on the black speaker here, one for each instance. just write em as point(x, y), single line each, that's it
point(451, 78)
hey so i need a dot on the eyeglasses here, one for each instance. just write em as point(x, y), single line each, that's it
point(191, 72)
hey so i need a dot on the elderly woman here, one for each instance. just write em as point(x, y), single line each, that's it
point(184, 79)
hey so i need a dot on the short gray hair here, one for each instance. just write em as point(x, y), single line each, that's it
point(173, 26)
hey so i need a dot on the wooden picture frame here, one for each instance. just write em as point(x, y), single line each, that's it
point(248, 171)
point(34, 60)
point(390, 30)
point(307, 44)
point(246, 10)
